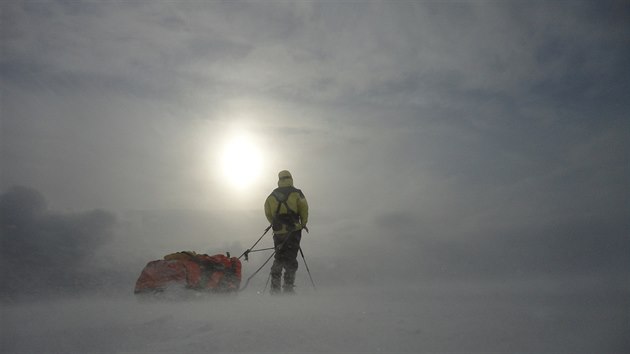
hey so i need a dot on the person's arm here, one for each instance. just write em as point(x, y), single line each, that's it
point(268, 210)
point(303, 210)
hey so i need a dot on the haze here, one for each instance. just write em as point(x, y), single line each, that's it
point(466, 166)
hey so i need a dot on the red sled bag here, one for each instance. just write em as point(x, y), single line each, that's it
point(189, 270)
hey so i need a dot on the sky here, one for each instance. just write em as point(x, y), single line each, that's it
point(463, 139)
point(466, 165)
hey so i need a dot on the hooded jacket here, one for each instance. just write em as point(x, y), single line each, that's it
point(295, 201)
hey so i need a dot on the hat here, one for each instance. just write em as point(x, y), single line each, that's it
point(284, 174)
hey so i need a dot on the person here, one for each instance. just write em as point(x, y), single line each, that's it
point(286, 209)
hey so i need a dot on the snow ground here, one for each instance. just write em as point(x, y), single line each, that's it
point(367, 319)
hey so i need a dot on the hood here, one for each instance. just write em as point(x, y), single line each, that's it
point(285, 179)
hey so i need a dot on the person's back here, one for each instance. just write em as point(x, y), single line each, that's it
point(286, 209)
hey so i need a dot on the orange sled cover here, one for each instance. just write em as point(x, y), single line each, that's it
point(190, 270)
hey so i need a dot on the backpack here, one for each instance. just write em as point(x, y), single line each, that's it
point(291, 217)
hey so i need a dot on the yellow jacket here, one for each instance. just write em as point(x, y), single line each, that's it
point(295, 218)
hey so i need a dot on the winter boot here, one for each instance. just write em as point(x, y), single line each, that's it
point(275, 286)
point(276, 275)
point(289, 280)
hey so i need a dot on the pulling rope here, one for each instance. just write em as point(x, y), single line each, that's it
point(267, 261)
point(260, 250)
point(256, 272)
point(249, 250)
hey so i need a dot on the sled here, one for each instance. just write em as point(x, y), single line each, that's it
point(187, 271)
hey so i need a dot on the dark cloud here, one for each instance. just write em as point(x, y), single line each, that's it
point(564, 246)
point(44, 252)
point(553, 252)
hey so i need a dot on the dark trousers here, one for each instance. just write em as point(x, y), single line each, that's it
point(287, 247)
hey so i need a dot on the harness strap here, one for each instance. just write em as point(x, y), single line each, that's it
point(282, 198)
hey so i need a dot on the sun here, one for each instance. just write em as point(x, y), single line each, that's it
point(241, 161)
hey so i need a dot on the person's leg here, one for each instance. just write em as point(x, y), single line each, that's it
point(276, 275)
point(290, 261)
point(278, 264)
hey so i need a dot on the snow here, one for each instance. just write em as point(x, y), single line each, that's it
point(404, 318)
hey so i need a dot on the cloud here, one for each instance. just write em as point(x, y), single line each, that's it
point(44, 252)
point(474, 133)
point(325, 50)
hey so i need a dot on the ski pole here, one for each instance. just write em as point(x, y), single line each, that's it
point(267, 283)
point(308, 270)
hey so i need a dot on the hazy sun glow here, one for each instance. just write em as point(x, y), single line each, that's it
point(241, 161)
